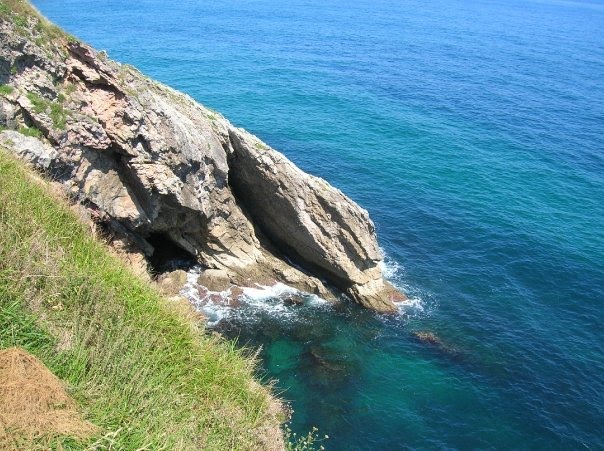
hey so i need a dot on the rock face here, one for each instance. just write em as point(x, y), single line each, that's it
point(161, 169)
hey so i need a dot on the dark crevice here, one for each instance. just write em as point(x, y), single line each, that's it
point(140, 139)
point(102, 83)
point(168, 255)
point(243, 192)
point(5, 69)
point(23, 62)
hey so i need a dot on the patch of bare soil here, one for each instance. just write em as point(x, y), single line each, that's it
point(34, 403)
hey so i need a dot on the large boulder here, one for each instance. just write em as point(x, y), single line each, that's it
point(214, 280)
point(309, 220)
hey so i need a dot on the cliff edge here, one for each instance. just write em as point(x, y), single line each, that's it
point(159, 170)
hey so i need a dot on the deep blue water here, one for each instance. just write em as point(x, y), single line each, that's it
point(473, 132)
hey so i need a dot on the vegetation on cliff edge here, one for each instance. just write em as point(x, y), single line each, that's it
point(136, 366)
point(20, 11)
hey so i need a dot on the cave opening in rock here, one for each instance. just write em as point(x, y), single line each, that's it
point(168, 255)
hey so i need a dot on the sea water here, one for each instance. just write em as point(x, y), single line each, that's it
point(473, 133)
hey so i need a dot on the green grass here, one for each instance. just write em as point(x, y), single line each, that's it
point(58, 115)
point(30, 131)
point(55, 110)
point(6, 89)
point(40, 104)
point(136, 366)
point(18, 12)
point(69, 88)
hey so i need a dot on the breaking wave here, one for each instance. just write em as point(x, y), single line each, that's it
point(279, 300)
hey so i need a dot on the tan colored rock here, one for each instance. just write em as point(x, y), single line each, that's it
point(235, 295)
point(316, 224)
point(378, 295)
point(137, 262)
point(214, 280)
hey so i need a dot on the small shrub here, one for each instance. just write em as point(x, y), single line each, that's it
point(40, 104)
point(58, 115)
point(6, 89)
point(30, 131)
point(54, 109)
point(308, 442)
point(69, 88)
point(20, 21)
point(4, 9)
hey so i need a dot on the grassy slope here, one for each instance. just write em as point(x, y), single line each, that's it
point(137, 368)
point(18, 12)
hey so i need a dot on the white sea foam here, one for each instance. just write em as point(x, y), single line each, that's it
point(394, 272)
point(215, 312)
point(264, 292)
point(391, 269)
point(410, 305)
point(269, 299)
point(260, 298)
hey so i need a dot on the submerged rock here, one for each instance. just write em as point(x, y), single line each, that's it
point(321, 358)
point(430, 338)
point(169, 173)
point(293, 300)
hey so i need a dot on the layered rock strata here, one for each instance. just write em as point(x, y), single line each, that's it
point(158, 168)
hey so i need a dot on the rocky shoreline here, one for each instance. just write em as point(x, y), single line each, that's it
point(165, 176)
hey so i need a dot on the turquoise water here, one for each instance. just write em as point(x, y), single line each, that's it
point(473, 132)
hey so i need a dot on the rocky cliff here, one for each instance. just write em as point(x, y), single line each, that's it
point(159, 170)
